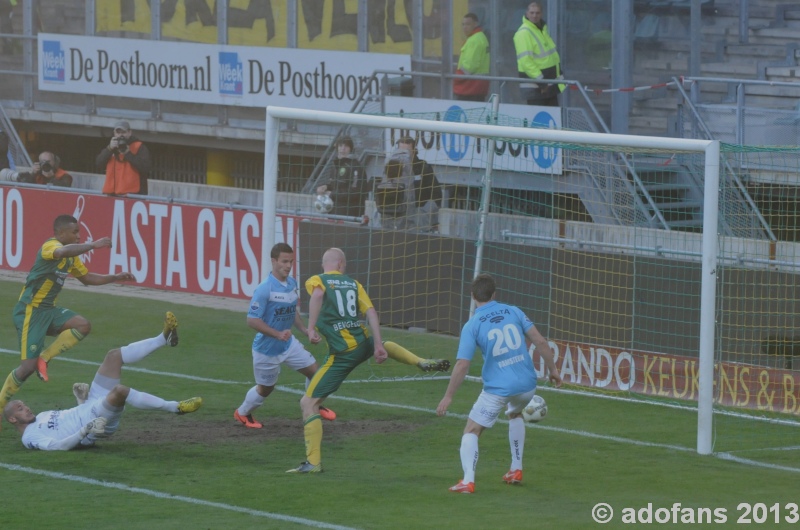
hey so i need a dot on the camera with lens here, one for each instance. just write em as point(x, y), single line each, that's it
point(122, 143)
point(46, 166)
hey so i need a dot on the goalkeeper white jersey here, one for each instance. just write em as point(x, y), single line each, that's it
point(53, 426)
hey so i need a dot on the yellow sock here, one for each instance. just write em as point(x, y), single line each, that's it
point(400, 354)
point(312, 432)
point(10, 388)
point(65, 340)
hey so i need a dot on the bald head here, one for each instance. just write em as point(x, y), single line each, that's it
point(333, 260)
point(18, 414)
point(10, 408)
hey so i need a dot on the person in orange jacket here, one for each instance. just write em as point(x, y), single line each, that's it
point(126, 161)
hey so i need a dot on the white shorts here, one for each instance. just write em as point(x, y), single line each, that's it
point(488, 406)
point(101, 386)
point(267, 367)
point(95, 409)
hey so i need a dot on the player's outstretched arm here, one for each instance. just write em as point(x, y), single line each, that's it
point(104, 279)
point(546, 352)
point(45, 443)
point(76, 249)
point(460, 371)
point(375, 326)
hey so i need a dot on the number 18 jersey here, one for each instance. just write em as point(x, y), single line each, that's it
point(342, 303)
point(499, 330)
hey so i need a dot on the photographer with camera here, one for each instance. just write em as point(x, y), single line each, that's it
point(45, 171)
point(346, 181)
point(126, 161)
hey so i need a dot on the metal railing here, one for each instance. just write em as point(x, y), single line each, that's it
point(16, 149)
point(736, 200)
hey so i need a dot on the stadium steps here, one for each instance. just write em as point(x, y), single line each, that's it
point(674, 194)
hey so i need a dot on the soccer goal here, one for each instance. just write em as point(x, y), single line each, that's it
point(644, 260)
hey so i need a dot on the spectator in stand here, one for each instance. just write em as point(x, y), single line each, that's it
point(474, 60)
point(126, 162)
point(46, 171)
point(346, 181)
point(537, 59)
point(427, 190)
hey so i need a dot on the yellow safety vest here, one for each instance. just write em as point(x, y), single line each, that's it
point(536, 52)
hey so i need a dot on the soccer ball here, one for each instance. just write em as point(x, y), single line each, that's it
point(535, 411)
point(323, 204)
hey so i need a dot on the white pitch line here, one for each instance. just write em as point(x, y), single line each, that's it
point(168, 496)
point(584, 434)
point(737, 459)
point(146, 371)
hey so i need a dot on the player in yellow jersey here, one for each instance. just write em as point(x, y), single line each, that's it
point(333, 312)
point(36, 314)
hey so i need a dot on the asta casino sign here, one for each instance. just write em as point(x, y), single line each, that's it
point(208, 73)
point(467, 151)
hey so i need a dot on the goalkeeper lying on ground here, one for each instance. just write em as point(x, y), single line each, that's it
point(100, 405)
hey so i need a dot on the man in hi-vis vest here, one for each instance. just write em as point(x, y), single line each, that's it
point(474, 60)
point(537, 59)
point(126, 161)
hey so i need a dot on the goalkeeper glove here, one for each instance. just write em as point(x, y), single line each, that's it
point(96, 426)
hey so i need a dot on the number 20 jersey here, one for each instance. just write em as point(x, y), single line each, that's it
point(499, 330)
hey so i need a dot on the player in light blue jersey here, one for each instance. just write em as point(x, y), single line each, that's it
point(509, 378)
point(273, 312)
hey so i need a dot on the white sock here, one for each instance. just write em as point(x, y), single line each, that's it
point(135, 352)
point(516, 439)
point(143, 400)
point(251, 402)
point(469, 456)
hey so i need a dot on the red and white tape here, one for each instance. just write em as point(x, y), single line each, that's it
point(597, 91)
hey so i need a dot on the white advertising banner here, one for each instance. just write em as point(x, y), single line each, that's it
point(467, 151)
point(209, 73)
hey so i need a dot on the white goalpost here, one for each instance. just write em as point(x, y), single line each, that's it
point(610, 144)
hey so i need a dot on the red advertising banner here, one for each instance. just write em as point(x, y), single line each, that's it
point(176, 247)
point(675, 377)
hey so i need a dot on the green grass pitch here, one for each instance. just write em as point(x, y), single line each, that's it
point(388, 458)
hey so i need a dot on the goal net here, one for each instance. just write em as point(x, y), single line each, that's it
point(646, 262)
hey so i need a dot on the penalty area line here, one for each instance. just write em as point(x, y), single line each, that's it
point(168, 496)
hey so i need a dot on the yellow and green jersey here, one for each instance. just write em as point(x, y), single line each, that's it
point(48, 274)
point(343, 301)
